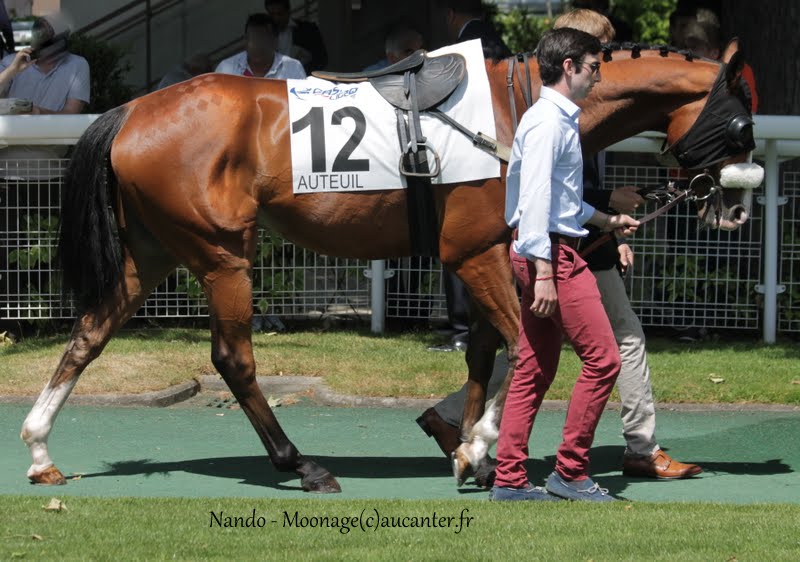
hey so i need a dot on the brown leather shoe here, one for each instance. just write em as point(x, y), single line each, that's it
point(448, 437)
point(658, 465)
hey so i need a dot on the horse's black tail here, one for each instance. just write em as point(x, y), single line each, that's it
point(89, 251)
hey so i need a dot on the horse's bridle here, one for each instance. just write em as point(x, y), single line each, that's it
point(670, 195)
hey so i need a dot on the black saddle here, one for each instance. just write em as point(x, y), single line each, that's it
point(436, 78)
point(411, 62)
point(416, 83)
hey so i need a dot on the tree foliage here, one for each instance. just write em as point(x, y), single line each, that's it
point(107, 66)
point(648, 18)
point(520, 29)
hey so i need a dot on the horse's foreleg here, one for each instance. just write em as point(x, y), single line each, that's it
point(491, 285)
point(230, 301)
point(90, 334)
point(477, 422)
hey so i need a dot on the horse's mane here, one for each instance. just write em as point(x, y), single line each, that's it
point(740, 88)
point(663, 50)
point(635, 49)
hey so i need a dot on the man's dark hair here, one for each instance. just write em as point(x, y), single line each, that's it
point(284, 3)
point(558, 45)
point(261, 20)
point(468, 7)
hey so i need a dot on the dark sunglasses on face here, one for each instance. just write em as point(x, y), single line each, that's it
point(594, 67)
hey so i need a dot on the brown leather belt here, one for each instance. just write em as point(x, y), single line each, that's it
point(570, 241)
point(555, 239)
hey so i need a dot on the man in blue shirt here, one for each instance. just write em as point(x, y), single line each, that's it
point(55, 83)
point(544, 203)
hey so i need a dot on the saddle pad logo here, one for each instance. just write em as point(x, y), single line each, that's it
point(344, 136)
point(334, 93)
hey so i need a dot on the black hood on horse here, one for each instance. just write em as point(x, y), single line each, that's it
point(726, 110)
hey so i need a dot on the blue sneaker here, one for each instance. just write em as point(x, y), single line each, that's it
point(529, 492)
point(578, 490)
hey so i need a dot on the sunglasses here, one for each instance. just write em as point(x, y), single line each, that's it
point(594, 67)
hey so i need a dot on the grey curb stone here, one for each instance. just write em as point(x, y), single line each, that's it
point(319, 392)
point(158, 398)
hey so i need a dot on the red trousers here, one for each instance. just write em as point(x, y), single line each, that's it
point(580, 317)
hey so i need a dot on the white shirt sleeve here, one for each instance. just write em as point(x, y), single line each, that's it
point(541, 148)
point(586, 213)
point(226, 67)
point(293, 70)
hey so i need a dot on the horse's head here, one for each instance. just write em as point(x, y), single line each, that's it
point(713, 139)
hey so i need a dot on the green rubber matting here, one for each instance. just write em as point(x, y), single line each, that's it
point(380, 453)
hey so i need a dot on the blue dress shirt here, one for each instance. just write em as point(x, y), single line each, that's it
point(544, 183)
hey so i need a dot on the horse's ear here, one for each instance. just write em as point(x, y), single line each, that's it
point(730, 49)
point(735, 60)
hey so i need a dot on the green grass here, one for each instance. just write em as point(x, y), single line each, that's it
point(396, 365)
point(180, 529)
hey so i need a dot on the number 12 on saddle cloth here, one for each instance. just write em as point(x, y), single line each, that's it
point(344, 135)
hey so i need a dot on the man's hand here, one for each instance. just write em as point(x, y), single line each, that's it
point(625, 199)
point(21, 61)
point(545, 298)
point(625, 257)
point(623, 224)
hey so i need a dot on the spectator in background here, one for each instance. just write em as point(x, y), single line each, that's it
point(697, 28)
point(297, 38)
point(260, 59)
point(401, 42)
point(18, 62)
point(623, 30)
point(57, 83)
point(197, 64)
point(465, 21)
point(6, 32)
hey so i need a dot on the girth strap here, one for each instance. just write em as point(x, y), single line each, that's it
point(423, 223)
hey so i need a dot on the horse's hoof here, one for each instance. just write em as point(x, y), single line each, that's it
point(484, 475)
point(50, 476)
point(461, 465)
point(324, 484)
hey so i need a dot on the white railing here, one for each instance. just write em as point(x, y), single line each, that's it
point(778, 139)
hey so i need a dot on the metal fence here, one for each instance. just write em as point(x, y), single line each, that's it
point(789, 272)
point(683, 276)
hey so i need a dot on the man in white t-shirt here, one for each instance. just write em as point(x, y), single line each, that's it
point(260, 58)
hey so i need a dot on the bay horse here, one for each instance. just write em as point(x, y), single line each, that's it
point(186, 174)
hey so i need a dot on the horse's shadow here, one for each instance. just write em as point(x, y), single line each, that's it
point(257, 471)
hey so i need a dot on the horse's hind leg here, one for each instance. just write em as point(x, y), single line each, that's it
point(230, 300)
point(90, 334)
